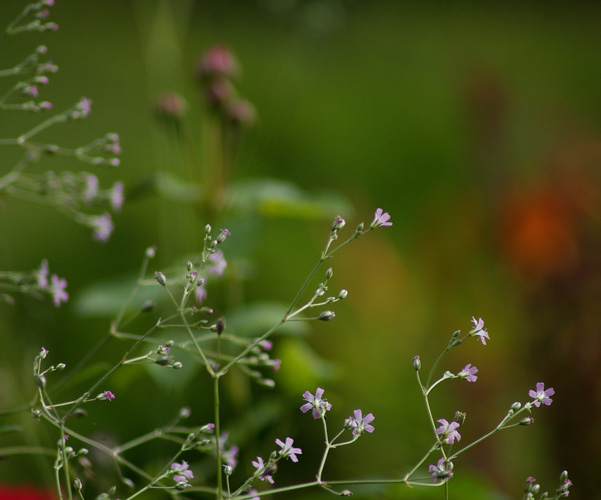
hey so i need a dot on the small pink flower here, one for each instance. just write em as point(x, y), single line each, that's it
point(541, 395)
point(381, 219)
point(448, 431)
point(469, 373)
point(288, 451)
point(57, 290)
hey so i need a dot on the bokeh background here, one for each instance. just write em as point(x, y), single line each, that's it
point(477, 126)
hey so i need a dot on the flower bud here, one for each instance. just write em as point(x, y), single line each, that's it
point(160, 277)
point(338, 223)
point(343, 294)
point(516, 406)
point(208, 229)
point(346, 493)
point(61, 366)
point(417, 364)
point(459, 417)
point(564, 476)
point(77, 484)
point(150, 252)
point(327, 316)
point(189, 266)
point(40, 380)
point(222, 236)
point(228, 470)
point(359, 230)
point(217, 62)
point(329, 273)
point(527, 421)
point(177, 365)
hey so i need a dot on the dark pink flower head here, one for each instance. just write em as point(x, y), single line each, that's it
point(108, 395)
point(288, 451)
point(316, 403)
point(217, 62)
point(448, 431)
point(541, 395)
point(381, 219)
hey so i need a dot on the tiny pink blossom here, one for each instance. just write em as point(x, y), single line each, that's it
point(381, 219)
point(469, 373)
point(57, 290)
point(360, 423)
point(264, 472)
point(316, 403)
point(288, 451)
point(541, 395)
point(183, 474)
point(117, 197)
point(478, 330)
point(103, 226)
point(448, 431)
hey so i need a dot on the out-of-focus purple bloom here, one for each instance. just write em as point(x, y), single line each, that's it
point(42, 275)
point(288, 451)
point(83, 107)
point(108, 395)
point(103, 226)
point(264, 473)
point(266, 344)
point(442, 470)
point(254, 492)
point(469, 373)
point(541, 395)
point(57, 290)
point(183, 473)
point(201, 294)
point(91, 188)
point(360, 423)
point(478, 330)
point(448, 431)
point(230, 456)
point(319, 405)
point(218, 263)
point(117, 196)
point(381, 219)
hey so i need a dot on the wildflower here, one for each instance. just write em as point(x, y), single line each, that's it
point(417, 364)
point(116, 196)
point(254, 492)
point(222, 236)
point(108, 395)
point(264, 472)
point(183, 474)
point(540, 395)
point(320, 406)
point(442, 470)
point(469, 373)
point(200, 293)
point(218, 263)
point(479, 331)
point(381, 218)
point(217, 62)
point(42, 275)
point(57, 290)
point(91, 187)
point(82, 108)
point(288, 451)
point(359, 423)
point(103, 226)
point(448, 431)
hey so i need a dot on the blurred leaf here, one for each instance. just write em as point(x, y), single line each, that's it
point(169, 379)
point(105, 298)
point(302, 369)
point(171, 187)
point(90, 371)
point(277, 198)
point(255, 319)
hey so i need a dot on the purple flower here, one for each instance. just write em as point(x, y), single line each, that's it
point(117, 197)
point(254, 492)
point(201, 294)
point(442, 470)
point(83, 108)
point(381, 218)
point(287, 450)
point(57, 290)
point(183, 474)
point(42, 275)
point(218, 263)
point(359, 423)
point(103, 226)
point(479, 331)
point(91, 188)
point(264, 472)
point(540, 395)
point(320, 406)
point(469, 373)
point(448, 431)
point(230, 456)
point(339, 223)
point(108, 395)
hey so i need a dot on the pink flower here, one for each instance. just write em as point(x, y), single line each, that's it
point(381, 218)
point(540, 395)
point(316, 403)
point(479, 331)
point(183, 474)
point(57, 290)
point(288, 451)
point(448, 431)
point(103, 226)
point(469, 373)
point(360, 423)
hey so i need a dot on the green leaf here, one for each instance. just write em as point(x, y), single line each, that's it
point(277, 198)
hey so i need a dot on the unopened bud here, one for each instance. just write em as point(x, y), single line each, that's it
point(346, 493)
point(527, 421)
point(327, 316)
point(417, 364)
point(77, 484)
point(219, 326)
point(459, 417)
point(189, 266)
point(40, 380)
point(228, 470)
point(339, 223)
point(329, 273)
point(160, 277)
point(222, 236)
point(343, 294)
point(359, 230)
point(516, 406)
point(151, 252)
point(177, 365)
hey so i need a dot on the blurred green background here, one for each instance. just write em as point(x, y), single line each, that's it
point(477, 126)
